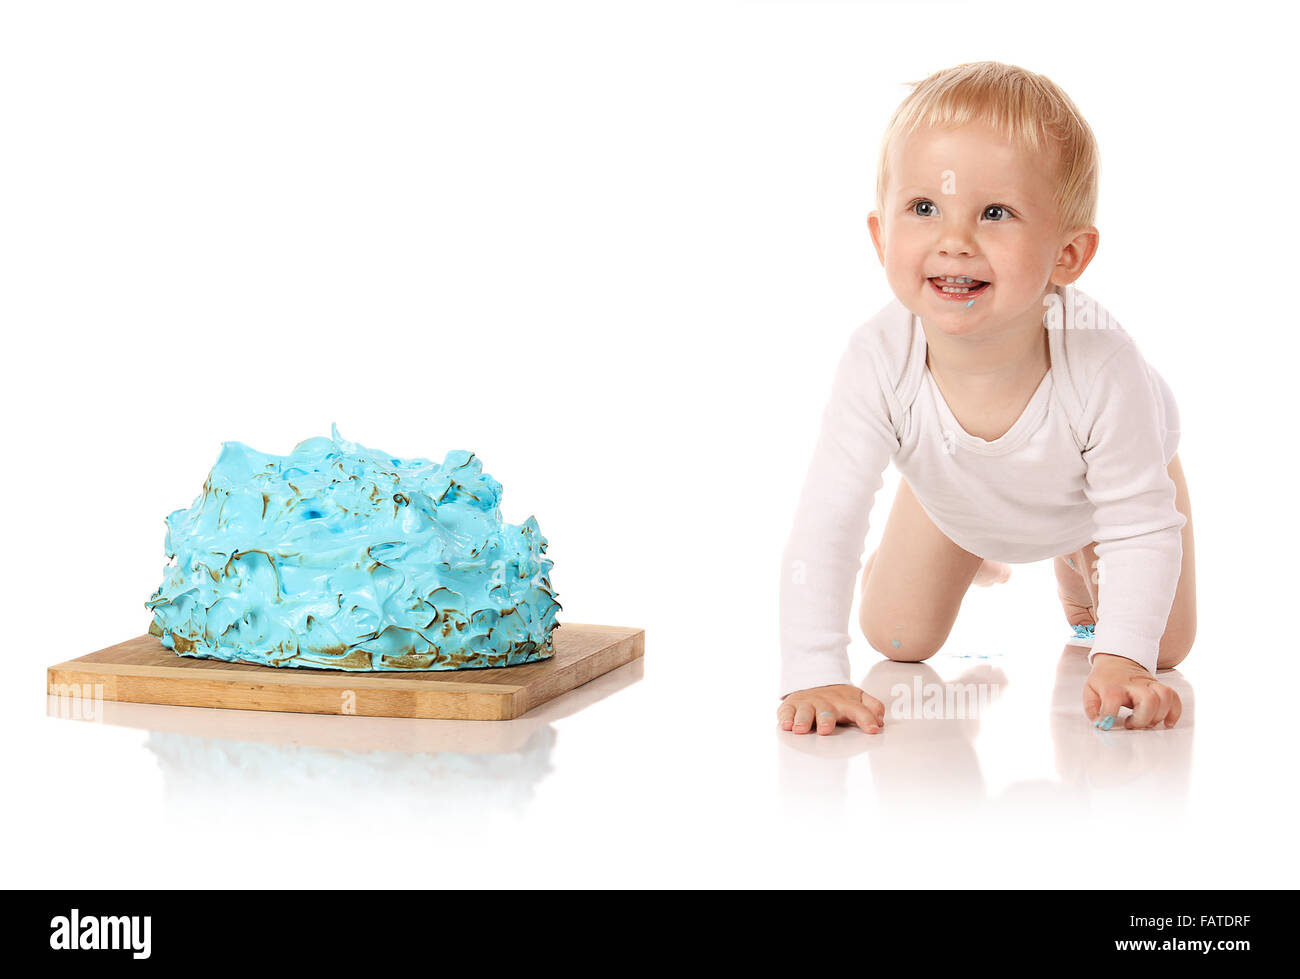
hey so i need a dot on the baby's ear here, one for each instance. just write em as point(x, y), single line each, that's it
point(877, 229)
point(1078, 251)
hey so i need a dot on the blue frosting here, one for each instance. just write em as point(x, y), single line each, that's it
point(341, 557)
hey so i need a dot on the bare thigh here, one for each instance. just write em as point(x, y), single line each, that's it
point(913, 584)
point(1076, 577)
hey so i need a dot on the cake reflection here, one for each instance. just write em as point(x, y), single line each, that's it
point(314, 767)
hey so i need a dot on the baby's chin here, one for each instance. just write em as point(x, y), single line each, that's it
point(950, 317)
point(954, 325)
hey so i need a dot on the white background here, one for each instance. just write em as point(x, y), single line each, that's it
point(616, 250)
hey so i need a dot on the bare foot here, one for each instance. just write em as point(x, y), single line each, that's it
point(992, 573)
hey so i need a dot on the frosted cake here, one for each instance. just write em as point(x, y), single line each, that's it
point(341, 557)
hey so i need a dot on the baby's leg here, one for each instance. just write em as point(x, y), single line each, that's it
point(1075, 586)
point(1076, 576)
point(913, 584)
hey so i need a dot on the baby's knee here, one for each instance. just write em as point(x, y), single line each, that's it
point(900, 645)
point(1174, 646)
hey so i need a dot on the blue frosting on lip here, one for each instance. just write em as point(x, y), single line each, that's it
point(341, 557)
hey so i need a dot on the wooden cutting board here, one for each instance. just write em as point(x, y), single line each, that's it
point(144, 671)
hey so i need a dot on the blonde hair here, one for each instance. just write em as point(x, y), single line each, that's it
point(1029, 109)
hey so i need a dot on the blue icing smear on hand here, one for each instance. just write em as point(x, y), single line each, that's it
point(341, 557)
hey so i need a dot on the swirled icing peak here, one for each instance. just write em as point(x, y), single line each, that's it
point(341, 557)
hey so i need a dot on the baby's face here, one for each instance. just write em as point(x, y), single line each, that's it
point(967, 202)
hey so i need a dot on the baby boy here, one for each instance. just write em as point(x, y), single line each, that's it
point(1023, 420)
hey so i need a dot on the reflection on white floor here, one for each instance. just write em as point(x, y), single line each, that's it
point(954, 724)
point(198, 770)
point(643, 788)
point(320, 766)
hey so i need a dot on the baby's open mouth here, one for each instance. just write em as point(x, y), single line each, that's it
point(955, 287)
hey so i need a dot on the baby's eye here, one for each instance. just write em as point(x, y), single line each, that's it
point(995, 212)
point(923, 214)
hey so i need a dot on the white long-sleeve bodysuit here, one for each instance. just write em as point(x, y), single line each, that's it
point(1032, 494)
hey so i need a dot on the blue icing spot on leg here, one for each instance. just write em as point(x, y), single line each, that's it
point(337, 556)
point(896, 643)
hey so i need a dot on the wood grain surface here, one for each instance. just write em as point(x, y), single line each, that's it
point(144, 671)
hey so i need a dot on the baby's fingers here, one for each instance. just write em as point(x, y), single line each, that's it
point(875, 706)
point(1175, 710)
point(1091, 702)
point(871, 715)
point(1151, 705)
point(1146, 705)
point(785, 715)
point(826, 718)
point(803, 718)
point(801, 714)
point(864, 718)
point(1111, 698)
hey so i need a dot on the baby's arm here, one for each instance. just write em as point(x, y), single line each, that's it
point(1139, 541)
point(823, 553)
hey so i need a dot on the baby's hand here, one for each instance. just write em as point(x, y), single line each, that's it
point(830, 705)
point(1117, 682)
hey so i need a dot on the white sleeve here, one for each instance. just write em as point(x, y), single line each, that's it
point(1137, 527)
point(823, 553)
